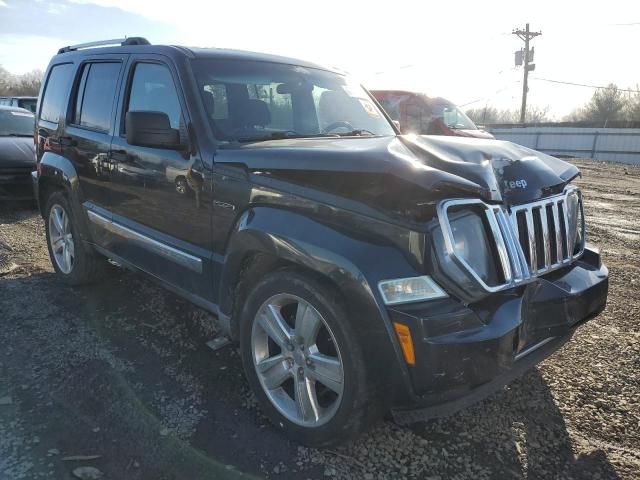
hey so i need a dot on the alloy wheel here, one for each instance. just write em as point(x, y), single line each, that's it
point(297, 360)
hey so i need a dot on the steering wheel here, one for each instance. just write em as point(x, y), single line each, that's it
point(334, 125)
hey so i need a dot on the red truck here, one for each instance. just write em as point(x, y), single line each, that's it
point(418, 113)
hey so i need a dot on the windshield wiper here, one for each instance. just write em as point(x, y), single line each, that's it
point(286, 135)
point(358, 133)
point(21, 135)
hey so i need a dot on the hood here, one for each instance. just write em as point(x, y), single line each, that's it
point(406, 172)
point(17, 152)
point(508, 172)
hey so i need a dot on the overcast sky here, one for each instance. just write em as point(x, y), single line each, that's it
point(461, 50)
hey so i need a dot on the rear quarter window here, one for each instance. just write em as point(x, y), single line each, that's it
point(54, 100)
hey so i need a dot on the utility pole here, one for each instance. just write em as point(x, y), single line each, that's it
point(526, 36)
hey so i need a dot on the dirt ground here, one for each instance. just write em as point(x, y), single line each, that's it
point(117, 377)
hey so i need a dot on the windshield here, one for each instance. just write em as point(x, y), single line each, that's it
point(28, 104)
point(249, 101)
point(16, 123)
point(453, 117)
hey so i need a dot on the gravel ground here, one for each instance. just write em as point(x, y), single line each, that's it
point(117, 378)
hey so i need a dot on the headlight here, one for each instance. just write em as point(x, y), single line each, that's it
point(405, 290)
point(471, 243)
point(463, 253)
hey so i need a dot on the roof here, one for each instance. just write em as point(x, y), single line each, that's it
point(174, 51)
point(424, 96)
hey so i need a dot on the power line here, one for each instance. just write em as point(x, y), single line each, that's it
point(582, 84)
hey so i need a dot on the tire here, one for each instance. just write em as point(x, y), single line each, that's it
point(84, 266)
point(320, 416)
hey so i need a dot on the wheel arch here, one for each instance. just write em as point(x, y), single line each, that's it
point(57, 173)
point(269, 239)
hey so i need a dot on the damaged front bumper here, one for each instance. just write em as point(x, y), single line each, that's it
point(464, 353)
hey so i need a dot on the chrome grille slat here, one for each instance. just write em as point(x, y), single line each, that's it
point(556, 226)
point(531, 237)
point(514, 240)
point(546, 242)
point(500, 244)
point(517, 260)
point(565, 211)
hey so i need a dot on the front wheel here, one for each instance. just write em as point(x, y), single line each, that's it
point(303, 361)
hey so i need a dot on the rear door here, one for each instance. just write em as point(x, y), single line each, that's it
point(164, 227)
point(90, 126)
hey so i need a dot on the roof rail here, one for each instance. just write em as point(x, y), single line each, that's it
point(102, 43)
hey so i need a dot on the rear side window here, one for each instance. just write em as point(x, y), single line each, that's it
point(153, 90)
point(95, 95)
point(54, 102)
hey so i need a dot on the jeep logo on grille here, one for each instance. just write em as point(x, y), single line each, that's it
point(515, 183)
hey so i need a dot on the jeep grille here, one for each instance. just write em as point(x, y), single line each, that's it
point(530, 239)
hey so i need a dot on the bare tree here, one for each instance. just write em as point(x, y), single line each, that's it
point(491, 115)
point(27, 84)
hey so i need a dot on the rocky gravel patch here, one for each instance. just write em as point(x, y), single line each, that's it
point(121, 372)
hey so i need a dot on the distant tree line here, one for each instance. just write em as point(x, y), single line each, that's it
point(27, 84)
point(607, 105)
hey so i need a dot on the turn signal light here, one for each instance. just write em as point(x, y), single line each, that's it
point(406, 343)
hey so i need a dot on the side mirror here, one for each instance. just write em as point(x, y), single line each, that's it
point(396, 123)
point(151, 129)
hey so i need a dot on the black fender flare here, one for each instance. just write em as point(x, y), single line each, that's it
point(57, 172)
point(353, 265)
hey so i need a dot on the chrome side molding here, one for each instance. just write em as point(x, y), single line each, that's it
point(170, 253)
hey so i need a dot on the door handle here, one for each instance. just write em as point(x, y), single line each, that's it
point(67, 142)
point(119, 155)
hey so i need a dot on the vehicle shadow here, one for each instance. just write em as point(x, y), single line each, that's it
point(519, 433)
point(12, 211)
point(203, 398)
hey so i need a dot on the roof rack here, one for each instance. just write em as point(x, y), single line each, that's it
point(102, 43)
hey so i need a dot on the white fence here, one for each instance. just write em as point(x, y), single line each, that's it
point(611, 144)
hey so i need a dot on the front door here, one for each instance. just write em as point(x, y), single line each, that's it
point(156, 193)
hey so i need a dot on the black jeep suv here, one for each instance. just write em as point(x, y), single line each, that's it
point(360, 270)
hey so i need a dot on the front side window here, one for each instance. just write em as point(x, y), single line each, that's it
point(251, 101)
point(55, 97)
point(153, 90)
point(96, 93)
point(16, 123)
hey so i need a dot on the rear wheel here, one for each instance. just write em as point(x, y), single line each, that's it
point(303, 360)
point(71, 258)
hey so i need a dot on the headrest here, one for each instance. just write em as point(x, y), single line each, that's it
point(253, 113)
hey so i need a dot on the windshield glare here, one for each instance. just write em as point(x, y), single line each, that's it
point(455, 118)
point(248, 101)
point(13, 122)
